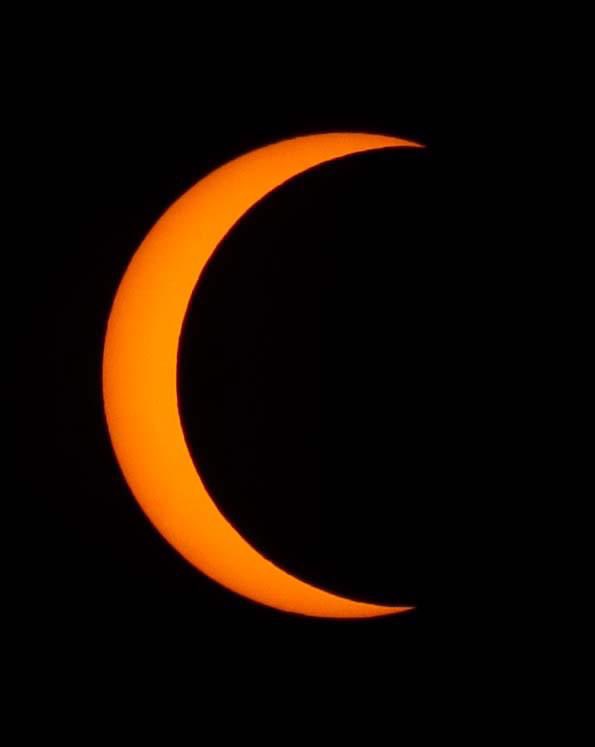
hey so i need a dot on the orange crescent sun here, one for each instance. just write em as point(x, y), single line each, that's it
point(140, 372)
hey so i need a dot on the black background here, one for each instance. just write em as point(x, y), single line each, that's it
point(320, 371)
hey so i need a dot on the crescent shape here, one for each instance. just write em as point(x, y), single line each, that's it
point(140, 372)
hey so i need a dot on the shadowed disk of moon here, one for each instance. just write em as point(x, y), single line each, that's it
point(140, 373)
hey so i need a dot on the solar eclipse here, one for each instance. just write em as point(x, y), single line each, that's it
point(140, 382)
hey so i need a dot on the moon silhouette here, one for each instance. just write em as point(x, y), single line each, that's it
point(140, 373)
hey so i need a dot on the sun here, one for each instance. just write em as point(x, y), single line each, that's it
point(140, 376)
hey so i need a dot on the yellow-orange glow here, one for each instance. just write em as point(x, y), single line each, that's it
point(139, 372)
